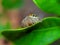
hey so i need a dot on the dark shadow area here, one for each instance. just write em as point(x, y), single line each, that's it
point(57, 42)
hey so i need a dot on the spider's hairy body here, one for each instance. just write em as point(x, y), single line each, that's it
point(29, 20)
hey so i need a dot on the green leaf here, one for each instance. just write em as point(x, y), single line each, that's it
point(8, 25)
point(3, 28)
point(49, 6)
point(42, 33)
point(9, 4)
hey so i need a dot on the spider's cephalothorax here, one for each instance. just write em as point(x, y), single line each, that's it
point(29, 20)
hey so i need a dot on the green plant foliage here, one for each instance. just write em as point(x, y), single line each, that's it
point(4, 27)
point(44, 32)
point(1, 29)
point(49, 6)
point(9, 4)
point(7, 26)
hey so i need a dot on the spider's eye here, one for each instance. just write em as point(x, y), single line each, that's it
point(34, 15)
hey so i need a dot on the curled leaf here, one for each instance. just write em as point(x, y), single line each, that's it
point(41, 33)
